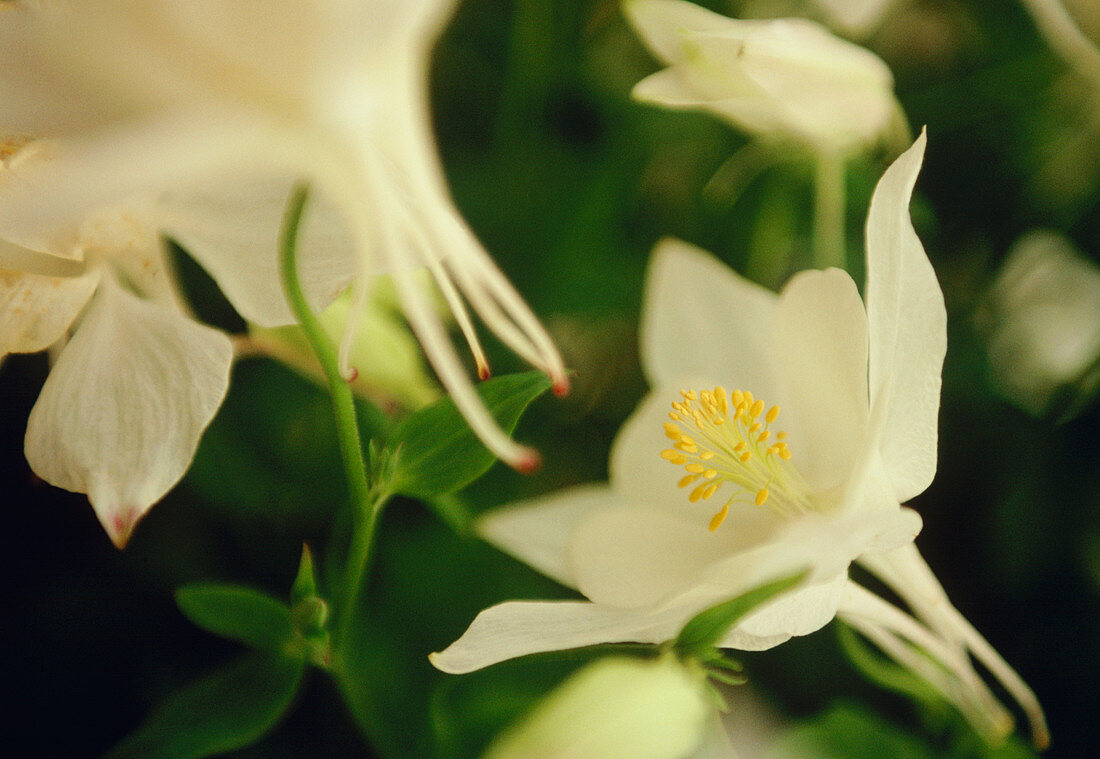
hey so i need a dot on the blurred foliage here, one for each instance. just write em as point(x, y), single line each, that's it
point(568, 183)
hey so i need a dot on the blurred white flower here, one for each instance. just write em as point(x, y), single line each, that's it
point(856, 18)
point(859, 390)
point(124, 405)
point(213, 110)
point(615, 708)
point(1043, 317)
point(787, 79)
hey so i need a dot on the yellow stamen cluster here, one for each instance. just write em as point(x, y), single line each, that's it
point(728, 442)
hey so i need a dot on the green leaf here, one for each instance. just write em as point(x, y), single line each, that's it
point(705, 629)
point(434, 452)
point(305, 582)
point(241, 614)
point(225, 710)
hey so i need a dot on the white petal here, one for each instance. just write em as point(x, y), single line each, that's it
point(628, 557)
point(121, 413)
point(667, 88)
point(537, 532)
point(233, 231)
point(36, 310)
point(198, 148)
point(662, 24)
point(821, 349)
point(518, 628)
point(702, 319)
point(907, 323)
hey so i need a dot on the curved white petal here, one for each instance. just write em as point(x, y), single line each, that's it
point(233, 231)
point(36, 310)
point(907, 324)
point(820, 349)
point(121, 413)
point(518, 628)
point(537, 531)
point(703, 319)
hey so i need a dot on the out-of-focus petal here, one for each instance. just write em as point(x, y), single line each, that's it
point(36, 310)
point(233, 231)
point(121, 413)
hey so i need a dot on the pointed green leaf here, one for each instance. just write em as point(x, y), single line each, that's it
point(305, 583)
point(225, 710)
point(434, 451)
point(241, 614)
point(705, 629)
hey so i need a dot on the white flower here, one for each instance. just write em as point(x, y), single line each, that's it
point(785, 78)
point(1043, 312)
point(615, 707)
point(124, 405)
point(815, 484)
point(213, 110)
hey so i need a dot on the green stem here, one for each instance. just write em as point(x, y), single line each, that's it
point(830, 213)
point(365, 506)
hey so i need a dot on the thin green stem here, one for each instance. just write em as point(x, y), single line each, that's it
point(365, 506)
point(830, 211)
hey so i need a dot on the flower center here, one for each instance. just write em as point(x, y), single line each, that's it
point(719, 439)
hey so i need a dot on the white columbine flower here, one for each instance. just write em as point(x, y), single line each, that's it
point(832, 426)
point(212, 110)
point(785, 78)
point(124, 405)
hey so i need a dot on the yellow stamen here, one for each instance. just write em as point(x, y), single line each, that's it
point(745, 456)
point(785, 454)
point(695, 468)
point(710, 490)
point(781, 436)
point(706, 455)
point(756, 409)
point(761, 496)
point(773, 412)
point(737, 397)
point(687, 480)
point(674, 416)
point(717, 519)
point(710, 474)
point(674, 456)
point(697, 494)
point(763, 436)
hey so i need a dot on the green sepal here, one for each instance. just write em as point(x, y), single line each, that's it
point(222, 711)
point(433, 451)
point(700, 635)
point(247, 616)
